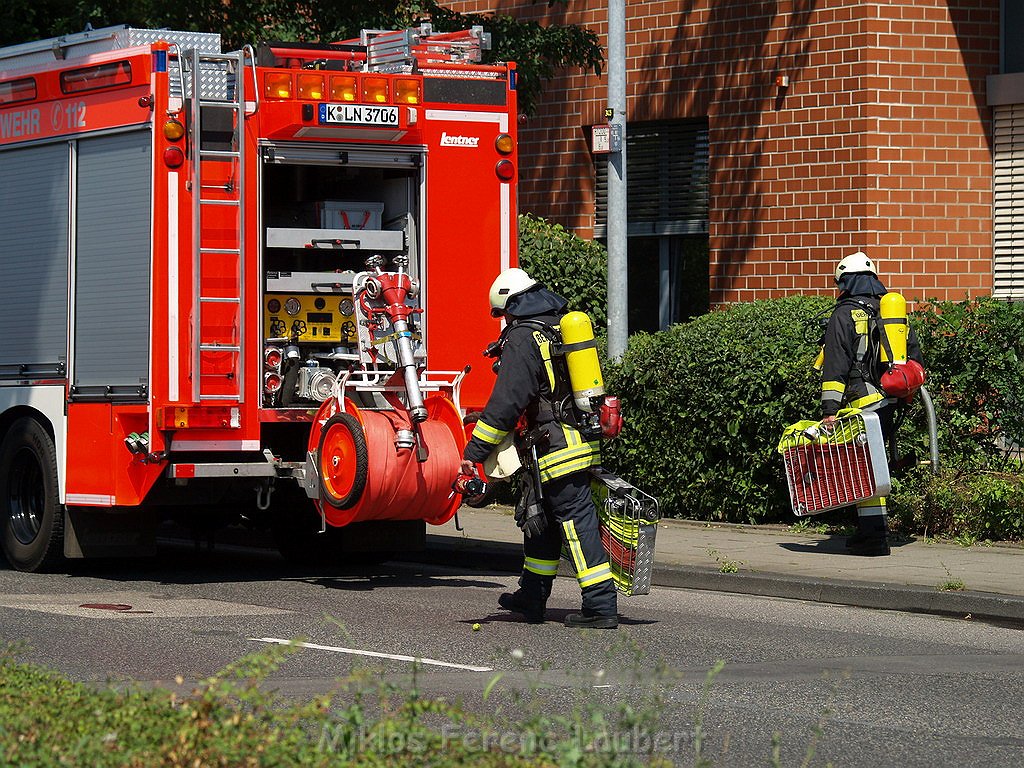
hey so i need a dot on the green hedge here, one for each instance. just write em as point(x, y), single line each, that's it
point(705, 401)
point(968, 507)
point(974, 352)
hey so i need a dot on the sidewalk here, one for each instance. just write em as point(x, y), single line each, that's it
point(772, 561)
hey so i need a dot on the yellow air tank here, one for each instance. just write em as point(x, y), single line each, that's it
point(581, 359)
point(893, 311)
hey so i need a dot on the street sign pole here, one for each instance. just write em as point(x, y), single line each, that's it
point(618, 328)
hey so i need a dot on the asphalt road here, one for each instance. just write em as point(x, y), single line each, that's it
point(886, 689)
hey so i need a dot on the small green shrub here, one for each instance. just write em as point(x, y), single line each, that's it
point(231, 719)
point(570, 266)
point(974, 353)
point(969, 508)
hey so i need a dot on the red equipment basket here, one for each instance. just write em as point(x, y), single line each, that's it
point(829, 466)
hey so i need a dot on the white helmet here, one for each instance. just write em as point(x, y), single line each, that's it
point(855, 262)
point(509, 283)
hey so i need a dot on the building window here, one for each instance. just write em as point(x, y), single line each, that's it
point(1011, 31)
point(667, 220)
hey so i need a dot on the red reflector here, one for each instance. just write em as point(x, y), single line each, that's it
point(173, 157)
point(184, 470)
point(505, 170)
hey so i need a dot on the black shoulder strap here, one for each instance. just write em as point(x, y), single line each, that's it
point(874, 323)
point(549, 331)
point(872, 312)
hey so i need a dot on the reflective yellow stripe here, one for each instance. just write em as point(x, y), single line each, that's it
point(600, 574)
point(568, 454)
point(561, 470)
point(833, 386)
point(545, 353)
point(572, 436)
point(489, 434)
point(541, 567)
point(592, 571)
point(869, 507)
point(566, 460)
point(575, 549)
point(863, 402)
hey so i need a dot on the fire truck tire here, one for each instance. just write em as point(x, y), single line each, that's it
point(344, 461)
point(33, 517)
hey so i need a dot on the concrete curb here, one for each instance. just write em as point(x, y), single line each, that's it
point(507, 557)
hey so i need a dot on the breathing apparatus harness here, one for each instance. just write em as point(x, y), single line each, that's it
point(884, 363)
point(577, 397)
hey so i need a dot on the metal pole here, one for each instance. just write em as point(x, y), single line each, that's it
point(618, 329)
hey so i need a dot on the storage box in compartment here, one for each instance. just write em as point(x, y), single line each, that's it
point(350, 214)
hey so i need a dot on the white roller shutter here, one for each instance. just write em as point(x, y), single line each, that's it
point(34, 184)
point(1008, 202)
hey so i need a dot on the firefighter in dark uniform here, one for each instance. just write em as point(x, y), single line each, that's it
point(529, 382)
point(850, 376)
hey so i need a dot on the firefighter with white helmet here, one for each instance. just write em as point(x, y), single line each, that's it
point(555, 504)
point(851, 371)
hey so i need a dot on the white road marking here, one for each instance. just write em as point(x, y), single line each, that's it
point(375, 654)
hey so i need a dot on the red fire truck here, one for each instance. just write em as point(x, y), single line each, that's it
point(244, 284)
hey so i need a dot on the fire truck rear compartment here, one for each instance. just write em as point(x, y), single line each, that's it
point(324, 213)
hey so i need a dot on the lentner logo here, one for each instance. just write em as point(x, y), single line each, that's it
point(459, 141)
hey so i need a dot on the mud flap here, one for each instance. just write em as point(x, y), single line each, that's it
point(109, 532)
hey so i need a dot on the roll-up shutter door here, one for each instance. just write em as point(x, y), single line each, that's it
point(666, 179)
point(112, 261)
point(34, 258)
point(1008, 202)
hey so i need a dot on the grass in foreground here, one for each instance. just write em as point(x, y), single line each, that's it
point(231, 720)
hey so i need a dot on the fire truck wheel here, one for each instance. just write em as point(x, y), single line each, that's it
point(344, 461)
point(33, 517)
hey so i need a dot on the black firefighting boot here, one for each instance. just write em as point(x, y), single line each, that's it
point(875, 541)
point(530, 599)
point(600, 608)
point(585, 620)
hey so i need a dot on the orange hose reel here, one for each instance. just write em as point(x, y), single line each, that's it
point(365, 475)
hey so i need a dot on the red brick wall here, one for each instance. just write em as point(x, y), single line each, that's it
point(880, 142)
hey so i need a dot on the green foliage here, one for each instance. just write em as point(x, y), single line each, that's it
point(974, 354)
point(570, 266)
point(232, 720)
point(705, 403)
point(986, 506)
point(539, 51)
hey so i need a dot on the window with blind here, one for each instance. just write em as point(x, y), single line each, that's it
point(666, 180)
